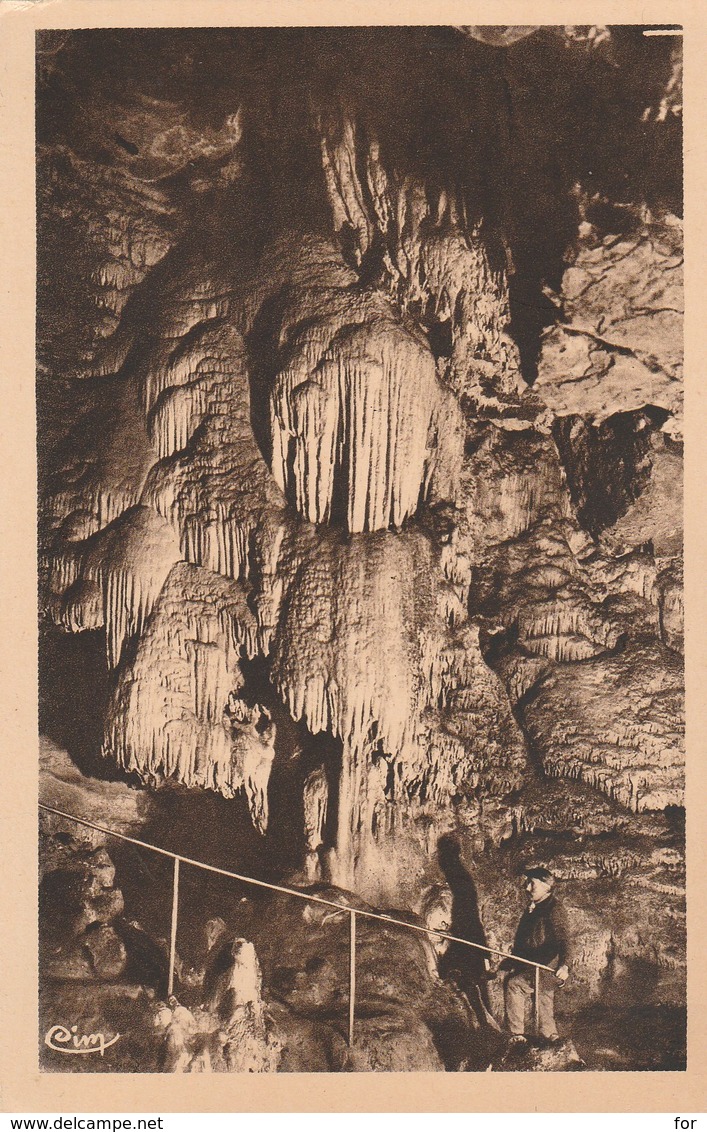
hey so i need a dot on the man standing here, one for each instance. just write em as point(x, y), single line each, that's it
point(543, 936)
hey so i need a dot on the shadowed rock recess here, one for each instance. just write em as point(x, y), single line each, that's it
point(359, 389)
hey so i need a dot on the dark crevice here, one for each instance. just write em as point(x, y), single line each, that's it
point(608, 464)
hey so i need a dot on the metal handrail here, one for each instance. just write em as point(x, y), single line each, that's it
point(309, 897)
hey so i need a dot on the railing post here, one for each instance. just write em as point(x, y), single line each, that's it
point(352, 977)
point(173, 933)
point(537, 1000)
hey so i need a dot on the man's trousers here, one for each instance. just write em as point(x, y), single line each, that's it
point(519, 993)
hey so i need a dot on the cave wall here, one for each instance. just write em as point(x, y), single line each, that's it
point(360, 359)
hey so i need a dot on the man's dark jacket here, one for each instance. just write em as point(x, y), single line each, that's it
point(543, 934)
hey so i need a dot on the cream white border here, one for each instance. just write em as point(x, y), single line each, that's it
point(22, 1087)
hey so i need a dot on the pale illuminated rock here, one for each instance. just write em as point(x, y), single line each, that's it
point(167, 718)
point(620, 345)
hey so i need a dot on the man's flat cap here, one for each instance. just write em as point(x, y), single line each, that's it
point(539, 873)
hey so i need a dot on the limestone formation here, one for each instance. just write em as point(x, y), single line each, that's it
point(80, 905)
point(626, 742)
point(253, 748)
point(315, 803)
point(610, 356)
point(246, 1045)
point(62, 786)
point(167, 718)
point(432, 261)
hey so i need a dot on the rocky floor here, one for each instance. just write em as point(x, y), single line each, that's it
point(104, 967)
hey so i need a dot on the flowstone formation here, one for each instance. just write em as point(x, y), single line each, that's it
point(360, 440)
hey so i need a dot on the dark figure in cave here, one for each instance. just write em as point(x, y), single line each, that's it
point(468, 967)
point(543, 936)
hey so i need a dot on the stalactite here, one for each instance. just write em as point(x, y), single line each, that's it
point(114, 578)
point(344, 655)
point(169, 714)
point(339, 164)
point(431, 253)
point(203, 348)
point(216, 488)
point(454, 268)
point(219, 542)
point(91, 508)
point(567, 630)
point(411, 562)
point(368, 657)
point(198, 291)
point(366, 416)
point(130, 561)
point(469, 722)
point(631, 789)
point(177, 416)
point(104, 466)
point(63, 568)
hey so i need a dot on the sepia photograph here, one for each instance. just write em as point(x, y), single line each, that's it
point(359, 403)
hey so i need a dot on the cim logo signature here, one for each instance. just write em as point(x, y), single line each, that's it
point(68, 1040)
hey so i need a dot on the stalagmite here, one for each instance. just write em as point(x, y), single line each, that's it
point(315, 798)
point(345, 661)
point(371, 659)
point(230, 1033)
point(244, 1043)
point(436, 912)
point(672, 606)
point(253, 751)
